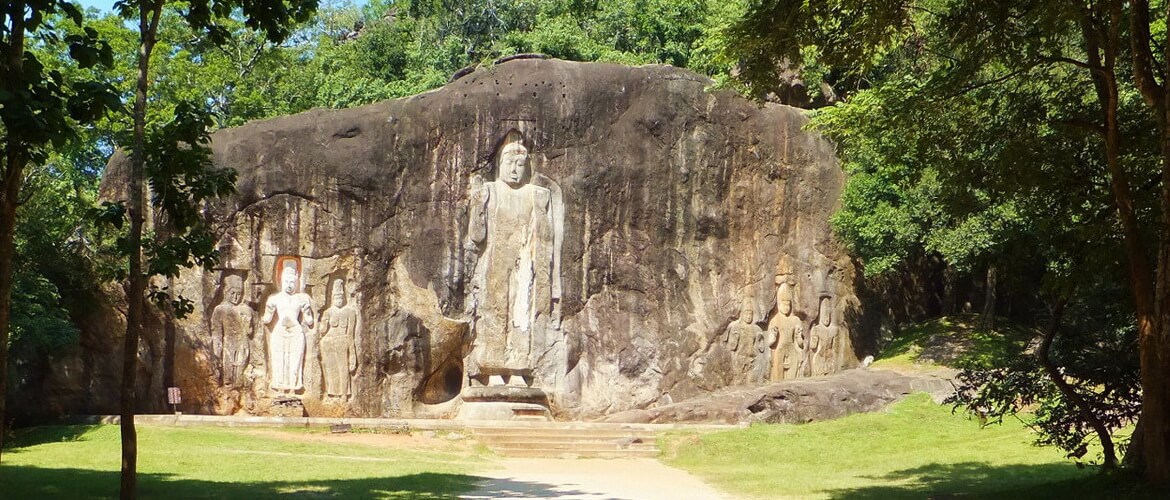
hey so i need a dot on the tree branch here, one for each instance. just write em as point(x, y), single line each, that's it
point(976, 86)
point(1068, 391)
point(1143, 57)
point(1096, 68)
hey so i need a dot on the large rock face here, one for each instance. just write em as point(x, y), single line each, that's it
point(616, 237)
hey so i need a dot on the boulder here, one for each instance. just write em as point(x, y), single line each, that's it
point(796, 401)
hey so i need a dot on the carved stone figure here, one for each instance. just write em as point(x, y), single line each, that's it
point(231, 331)
point(746, 339)
point(338, 333)
point(516, 227)
point(403, 363)
point(786, 337)
point(761, 357)
point(823, 341)
point(288, 314)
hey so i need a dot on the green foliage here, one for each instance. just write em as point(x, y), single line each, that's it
point(37, 102)
point(1098, 355)
point(847, 35)
point(53, 258)
point(977, 136)
point(274, 19)
point(382, 50)
point(1001, 377)
point(348, 56)
point(665, 31)
point(39, 322)
point(997, 173)
point(562, 36)
point(40, 101)
point(182, 177)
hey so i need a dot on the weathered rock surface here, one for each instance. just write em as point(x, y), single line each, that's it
point(681, 212)
point(795, 401)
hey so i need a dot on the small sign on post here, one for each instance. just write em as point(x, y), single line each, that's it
point(174, 397)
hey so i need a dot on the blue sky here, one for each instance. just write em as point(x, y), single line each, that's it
point(107, 5)
point(102, 5)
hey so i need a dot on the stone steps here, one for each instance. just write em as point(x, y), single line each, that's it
point(575, 454)
point(527, 442)
point(552, 444)
point(580, 434)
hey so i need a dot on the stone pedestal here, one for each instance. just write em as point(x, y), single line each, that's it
point(287, 407)
point(506, 397)
point(502, 410)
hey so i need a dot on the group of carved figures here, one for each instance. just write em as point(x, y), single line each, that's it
point(785, 350)
point(515, 231)
point(289, 323)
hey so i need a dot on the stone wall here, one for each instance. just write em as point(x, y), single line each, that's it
point(662, 240)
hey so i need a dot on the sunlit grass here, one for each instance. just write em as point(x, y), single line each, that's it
point(83, 462)
point(953, 342)
point(913, 449)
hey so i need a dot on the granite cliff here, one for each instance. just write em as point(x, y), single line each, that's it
point(660, 240)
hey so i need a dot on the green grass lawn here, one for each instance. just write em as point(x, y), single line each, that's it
point(83, 462)
point(914, 449)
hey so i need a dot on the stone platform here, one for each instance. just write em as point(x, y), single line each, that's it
point(188, 420)
point(515, 438)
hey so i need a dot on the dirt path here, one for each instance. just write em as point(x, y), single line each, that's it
point(407, 441)
point(583, 479)
point(590, 479)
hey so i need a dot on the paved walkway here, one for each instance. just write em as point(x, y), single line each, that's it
point(591, 479)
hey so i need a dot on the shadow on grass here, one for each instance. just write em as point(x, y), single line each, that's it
point(42, 434)
point(957, 342)
point(979, 480)
point(37, 482)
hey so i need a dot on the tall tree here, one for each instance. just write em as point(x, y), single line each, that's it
point(1153, 322)
point(36, 105)
point(275, 18)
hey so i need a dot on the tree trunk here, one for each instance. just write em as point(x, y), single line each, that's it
point(13, 174)
point(1132, 458)
point(1151, 448)
point(950, 282)
point(1070, 394)
point(1154, 340)
point(987, 320)
point(136, 282)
